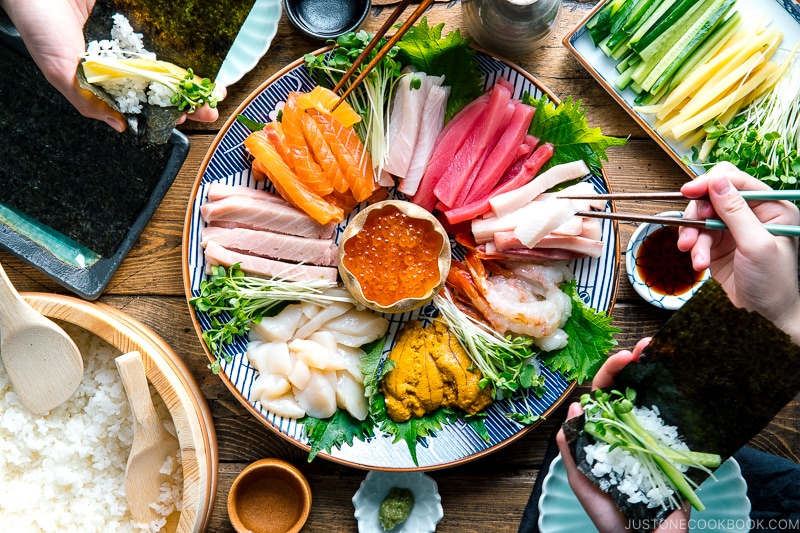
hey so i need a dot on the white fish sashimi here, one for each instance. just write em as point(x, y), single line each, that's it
point(269, 387)
point(350, 396)
point(429, 129)
point(356, 328)
point(286, 406)
point(278, 328)
point(404, 122)
point(318, 397)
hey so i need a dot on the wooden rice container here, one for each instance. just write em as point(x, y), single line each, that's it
point(170, 377)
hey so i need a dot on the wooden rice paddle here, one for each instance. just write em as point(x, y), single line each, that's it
point(152, 443)
point(43, 363)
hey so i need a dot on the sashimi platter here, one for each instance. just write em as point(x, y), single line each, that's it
point(496, 339)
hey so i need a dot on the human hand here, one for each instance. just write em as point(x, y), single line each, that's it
point(52, 31)
point(758, 270)
point(598, 505)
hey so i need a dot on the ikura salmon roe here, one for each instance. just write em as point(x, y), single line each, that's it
point(394, 256)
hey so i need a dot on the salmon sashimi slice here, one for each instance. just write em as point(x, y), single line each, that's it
point(305, 166)
point(274, 133)
point(353, 158)
point(323, 100)
point(288, 184)
point(323, 154)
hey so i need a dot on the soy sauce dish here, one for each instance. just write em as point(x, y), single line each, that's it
point(658, 271)
point(321, 20)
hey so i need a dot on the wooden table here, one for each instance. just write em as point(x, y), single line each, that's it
point(485, 495)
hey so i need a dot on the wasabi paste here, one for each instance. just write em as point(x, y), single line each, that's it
point(395, 507)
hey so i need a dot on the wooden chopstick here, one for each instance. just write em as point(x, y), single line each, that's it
point(775, 229)
point(747, 195)
point(423, 5)
point(373, 43)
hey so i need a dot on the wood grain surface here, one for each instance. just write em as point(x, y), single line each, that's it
point(486, 495)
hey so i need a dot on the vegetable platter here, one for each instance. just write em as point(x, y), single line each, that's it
point(441, 445)
point(708, 36)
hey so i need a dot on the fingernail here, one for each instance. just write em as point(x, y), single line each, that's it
point(722, 186)
point(114, 123)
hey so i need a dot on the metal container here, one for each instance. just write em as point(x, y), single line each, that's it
point(510, 27)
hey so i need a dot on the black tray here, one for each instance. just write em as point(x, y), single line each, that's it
point(89, 281)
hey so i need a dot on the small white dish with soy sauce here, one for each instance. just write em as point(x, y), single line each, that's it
point(657, 270)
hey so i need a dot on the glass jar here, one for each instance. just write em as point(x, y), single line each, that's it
point(510, 27)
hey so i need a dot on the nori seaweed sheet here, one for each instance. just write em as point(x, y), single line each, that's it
point(194, 34)
point(717, 372)
point(69, 172)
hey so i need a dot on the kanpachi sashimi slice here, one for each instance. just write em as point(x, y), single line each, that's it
point(288, 184)
point(323, 100)
point(353, 158)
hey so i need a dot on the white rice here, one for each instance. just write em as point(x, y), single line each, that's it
point(619, 467)
point(128, 93)
point(64, 471)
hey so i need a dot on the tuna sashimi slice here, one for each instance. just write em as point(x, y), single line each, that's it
point(506, 241)
point(512, 200)
point(273, 245)
point(504, 153)
point(448, 142)
point(458, 171)
point(260, 266)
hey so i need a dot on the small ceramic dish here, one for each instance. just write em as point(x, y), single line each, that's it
point(269, 495)
point(438, 252)
point(658, 271)
point(321, 20)
point(427, 510)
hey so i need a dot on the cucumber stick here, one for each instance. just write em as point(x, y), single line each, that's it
point(651, 20)
point(688, 43)
point(666, 24)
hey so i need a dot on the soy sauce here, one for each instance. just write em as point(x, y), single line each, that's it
point(663, 267)
point(327, 17)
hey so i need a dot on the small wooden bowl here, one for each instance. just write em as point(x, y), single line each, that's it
point(173, 381)
point(405, 304)
point(269, 496)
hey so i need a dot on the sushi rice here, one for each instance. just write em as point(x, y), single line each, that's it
point(129, 93)
point(620, 468)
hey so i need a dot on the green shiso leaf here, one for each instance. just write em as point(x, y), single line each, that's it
point(565, 126)
point(424, 48)
point(341, 428)
point(591, 337)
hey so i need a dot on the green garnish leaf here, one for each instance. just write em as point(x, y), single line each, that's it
point(252, 125)
point(565, 126)
point(450, 56)
point(371, 366)
point(341, 428)
point(591, 337)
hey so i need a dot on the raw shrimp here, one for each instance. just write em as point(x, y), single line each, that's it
point(525, 302)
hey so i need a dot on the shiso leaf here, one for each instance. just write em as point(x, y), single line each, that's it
point(341, 428)
point(424, 47)
point(565, 126)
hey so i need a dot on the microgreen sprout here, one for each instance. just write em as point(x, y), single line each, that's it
point(235, 301)
point(610, 418)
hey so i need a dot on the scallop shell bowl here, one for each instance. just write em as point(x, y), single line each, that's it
point(171, 380)
point(353, 284)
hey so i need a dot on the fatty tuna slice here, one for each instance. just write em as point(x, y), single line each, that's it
point(261, 266)
point(273, 245)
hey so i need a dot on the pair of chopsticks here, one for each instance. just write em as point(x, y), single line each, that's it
point(423, 5)
point(775, 229)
